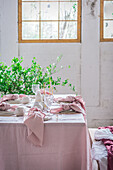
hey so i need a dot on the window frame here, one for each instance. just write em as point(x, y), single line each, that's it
point(102, 39)
point(78, 40)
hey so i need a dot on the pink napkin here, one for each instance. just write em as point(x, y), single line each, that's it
point(22, 95)
point(71, 99)
point(9, 97)
point(75, 103)
point(35, 126)
point(4, 106)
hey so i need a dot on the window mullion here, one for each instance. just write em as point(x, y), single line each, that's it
point(39, 20)
point(78, 20)
point(58, 17)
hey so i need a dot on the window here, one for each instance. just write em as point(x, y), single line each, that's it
point(49, 20)
point(106, 20)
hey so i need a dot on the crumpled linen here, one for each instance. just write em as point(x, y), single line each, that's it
point(74, 103)
point(98, 150)
point(109, 146)
point(103, 134)
point(107, 127)
point(35, 126)
point(103, 148)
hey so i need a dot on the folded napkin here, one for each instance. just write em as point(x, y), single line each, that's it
point(15, 99)
point(71, 99)
point(9, 97)
point(7, 109)
point(35, 126)
point(22, 95)
point(4, 106)
point(12, 97)
point(74, 103)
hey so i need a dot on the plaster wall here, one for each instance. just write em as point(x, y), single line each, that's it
point(91, 61)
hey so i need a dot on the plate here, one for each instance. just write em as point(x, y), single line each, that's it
point(46, 118)
point(6, 113)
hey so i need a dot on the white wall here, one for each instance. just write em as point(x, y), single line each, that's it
point(9, 45)
point(91, 61)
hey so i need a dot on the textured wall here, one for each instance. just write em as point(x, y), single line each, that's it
point(91, 61)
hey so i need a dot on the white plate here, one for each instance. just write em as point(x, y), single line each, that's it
point(46, 118)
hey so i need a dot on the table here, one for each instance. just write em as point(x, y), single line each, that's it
point(64, 147)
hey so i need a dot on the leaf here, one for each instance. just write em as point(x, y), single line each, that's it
point(16, 79)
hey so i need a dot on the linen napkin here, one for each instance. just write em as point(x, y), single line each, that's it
point(9, 97)
point(4, 106)
point(71, 99)
point(35, 126)
point(73, 103)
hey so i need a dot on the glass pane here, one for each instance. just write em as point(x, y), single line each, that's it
point(49, 10)
point(68, 11)
point(30, 11)
point(30, 30)
point(49, 0)
point(59, 0)
point(40, 0)
point(29, 0)
point(68, 30)
point(69, 0)
point(49, 30)
point(108, 29)
point(108, 10)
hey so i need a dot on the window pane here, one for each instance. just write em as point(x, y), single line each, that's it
point(68, 30)
point(59, 0)
point(68, 11)
point(30, 30)
point(49, 0)
point(49, 11)
point(108, 10)
point(69, 0)
point(29, 0)
point(40, 0)
point(108, 29)
point(30, 11)
point(49, 30)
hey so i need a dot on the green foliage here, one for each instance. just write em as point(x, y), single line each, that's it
point(74, 7)
point(16, 79)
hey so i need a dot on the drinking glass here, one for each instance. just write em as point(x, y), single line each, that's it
point(35, 88)
point(48, 100)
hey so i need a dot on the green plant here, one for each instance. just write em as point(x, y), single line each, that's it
point(16, 79)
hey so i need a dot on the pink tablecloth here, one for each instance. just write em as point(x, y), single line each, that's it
point(64, 147)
